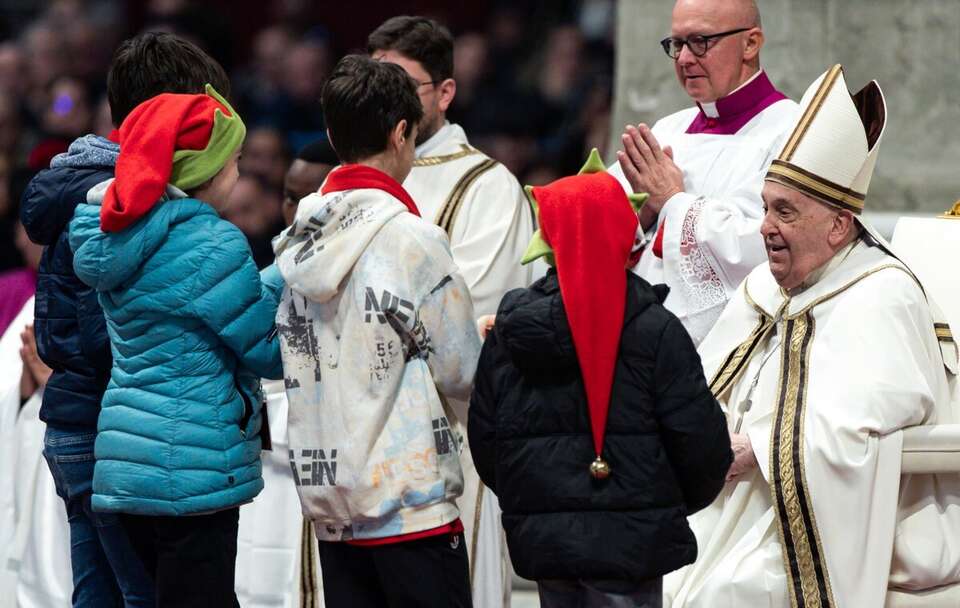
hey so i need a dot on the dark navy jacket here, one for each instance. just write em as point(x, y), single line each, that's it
point(71, 331)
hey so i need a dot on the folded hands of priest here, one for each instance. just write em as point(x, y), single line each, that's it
point(649, 168)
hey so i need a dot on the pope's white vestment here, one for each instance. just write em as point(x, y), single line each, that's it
point(822, 380)
point(481, 206)
point(711, 231)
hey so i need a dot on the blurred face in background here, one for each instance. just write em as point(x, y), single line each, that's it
point(12, 69)
point(69, 113)
point(469, 60)
point(270, 49)
point(252, 208)
point(306, 68)
point(9, 124)
point(45, 55)
point(265, 155)
point(302, 179)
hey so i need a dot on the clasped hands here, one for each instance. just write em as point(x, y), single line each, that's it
point(649, 168)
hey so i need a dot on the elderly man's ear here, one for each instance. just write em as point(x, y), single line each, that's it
point(753, 42)
point(843, 229)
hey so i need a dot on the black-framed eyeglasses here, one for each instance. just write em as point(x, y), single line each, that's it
point(423, 84)
point(698, 44)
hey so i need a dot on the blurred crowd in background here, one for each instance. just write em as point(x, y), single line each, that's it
point(534, 84)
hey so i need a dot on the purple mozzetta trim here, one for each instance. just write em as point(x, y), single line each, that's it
point(738, 108)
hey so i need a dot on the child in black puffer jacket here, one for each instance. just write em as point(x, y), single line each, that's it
point(590, 417)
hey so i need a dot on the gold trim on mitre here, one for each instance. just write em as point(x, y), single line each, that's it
point(831, 153)
point(819, 188)
point(811, 112)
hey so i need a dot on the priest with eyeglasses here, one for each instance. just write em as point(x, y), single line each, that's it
point(703, 167)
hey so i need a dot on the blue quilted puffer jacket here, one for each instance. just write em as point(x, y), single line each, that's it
point(71, 334)
point(191, 327)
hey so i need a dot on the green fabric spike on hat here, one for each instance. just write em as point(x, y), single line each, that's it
point(637, 200)
point(594, 163)
point(537, 247)
point(192, 168)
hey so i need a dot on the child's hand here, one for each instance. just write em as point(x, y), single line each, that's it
point(485, 324)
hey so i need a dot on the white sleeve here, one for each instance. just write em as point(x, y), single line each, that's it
point(448, 319)
point(489, 239)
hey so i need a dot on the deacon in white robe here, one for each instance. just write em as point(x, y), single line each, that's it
point(822, 356)
point(483, 210)
point(277, 561)
point(489, 222)
point(702, 219)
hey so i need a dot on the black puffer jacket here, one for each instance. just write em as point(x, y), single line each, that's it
point(666, 440)
point(71, 331)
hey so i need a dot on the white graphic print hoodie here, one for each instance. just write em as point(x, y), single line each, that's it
point(376, 329)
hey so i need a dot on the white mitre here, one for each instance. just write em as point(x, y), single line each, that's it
point(830, 157)
point(833, 149)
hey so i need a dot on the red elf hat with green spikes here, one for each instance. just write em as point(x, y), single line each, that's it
point(172, 138)
point(588, 226)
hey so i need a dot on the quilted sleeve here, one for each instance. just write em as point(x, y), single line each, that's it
point(230, 298)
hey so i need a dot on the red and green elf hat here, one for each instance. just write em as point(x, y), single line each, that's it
point(588, 226)
point(172, 138)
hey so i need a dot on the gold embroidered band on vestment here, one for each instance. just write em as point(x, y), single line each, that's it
point(429, 161)
point(804, 560)
point(309, 589)
point(450, 210)
point(736, 362)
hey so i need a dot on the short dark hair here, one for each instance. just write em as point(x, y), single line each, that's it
point(319, 152)
point(421, 39)
point(363, 101)
point(158, 62)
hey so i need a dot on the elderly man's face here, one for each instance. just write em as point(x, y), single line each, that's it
point(800, 233)
point(720, 71)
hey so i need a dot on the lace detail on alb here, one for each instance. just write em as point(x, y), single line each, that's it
point(699, 283)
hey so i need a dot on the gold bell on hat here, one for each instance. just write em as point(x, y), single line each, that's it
point(599, 468)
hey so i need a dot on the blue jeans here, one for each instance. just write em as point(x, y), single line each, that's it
point(106, 570)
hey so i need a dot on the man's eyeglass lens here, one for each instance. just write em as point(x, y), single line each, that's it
point(698, 44)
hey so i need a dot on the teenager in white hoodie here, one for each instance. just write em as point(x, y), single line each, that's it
point(377, 330)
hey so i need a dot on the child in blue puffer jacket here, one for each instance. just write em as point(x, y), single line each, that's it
point(191, 326)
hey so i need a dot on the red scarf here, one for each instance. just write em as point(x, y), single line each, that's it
point(356, 177)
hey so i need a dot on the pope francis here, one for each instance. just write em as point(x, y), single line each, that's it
point(822, 356)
